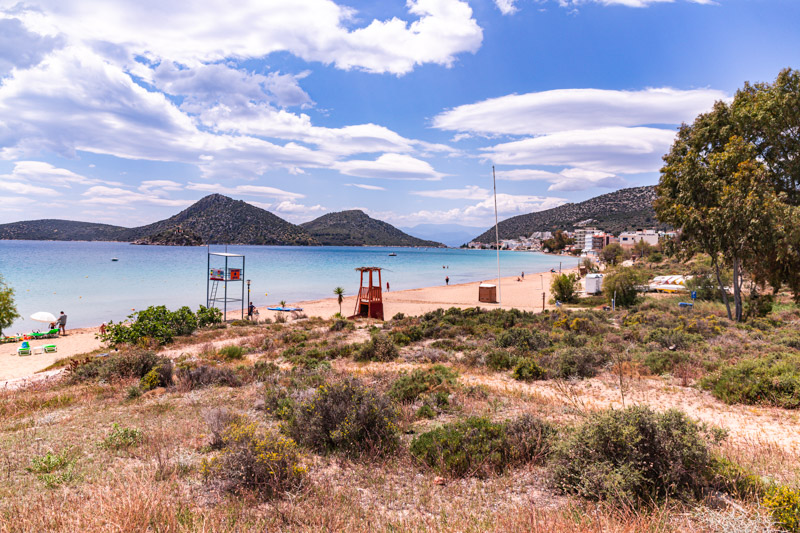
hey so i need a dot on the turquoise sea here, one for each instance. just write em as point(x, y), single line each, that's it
point(80, 278)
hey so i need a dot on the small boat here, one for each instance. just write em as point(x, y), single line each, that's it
point(114, 259)
point(392, 254)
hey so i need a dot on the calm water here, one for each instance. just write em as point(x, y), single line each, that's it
point(80, 278)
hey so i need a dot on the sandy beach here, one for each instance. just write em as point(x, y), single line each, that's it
point(524, 295)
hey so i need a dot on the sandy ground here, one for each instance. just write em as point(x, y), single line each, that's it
point(525, 295)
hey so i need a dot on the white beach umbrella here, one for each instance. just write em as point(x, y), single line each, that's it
point(43, 316)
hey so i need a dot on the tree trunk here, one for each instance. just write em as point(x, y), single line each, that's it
point(737, 289)
point(722, 288)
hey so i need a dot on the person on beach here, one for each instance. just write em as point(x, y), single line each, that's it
point(523, 276)
point(447, 280)
point(387, 286)
point(250, 310)
point(103, 328)
point(62, 323)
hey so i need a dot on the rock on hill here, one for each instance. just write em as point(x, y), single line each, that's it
point(356, 228)
point(215, 219)
point(218, 219)
point(625, 209)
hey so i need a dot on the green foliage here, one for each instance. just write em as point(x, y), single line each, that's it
point(773, 380)
point(612, 254)
point(523, 339)
point(664, 362)
point(623, 282)
point(158, 325)
point(341, 324)
point(564, 287)
point(346, 417)
point(124, 364)
point(573, 362)
point(737, 481)
point(408, 387)
point(499, 360)
point(784, 504)
point(655, 257)
point(231, 352)
point(158, 376)
point(266, 463)
point(8, 309)
point(471, 447)
point(379, 348)
point(479, 447)
point(339, 293)
point(528, 370)
point(558, 242)
point(632, 457)
point(122, 438)
point(54, 469)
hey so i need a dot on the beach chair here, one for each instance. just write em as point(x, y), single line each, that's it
point(52, 334)
point(25, 349)
point(50, 348)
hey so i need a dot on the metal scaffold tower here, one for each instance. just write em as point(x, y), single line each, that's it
point(223, 276)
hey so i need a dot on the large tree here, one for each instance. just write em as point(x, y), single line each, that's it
point(730, 183)
point(8, 309)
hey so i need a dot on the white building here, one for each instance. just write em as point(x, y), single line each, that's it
point(629, 238)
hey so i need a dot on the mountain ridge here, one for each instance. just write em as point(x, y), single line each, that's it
point(356, 228)
point(625, 209)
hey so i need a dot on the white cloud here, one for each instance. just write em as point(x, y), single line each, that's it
point(506, 7)
point(291, 210)
point(313, 30)
point(365, 186)
point(20, 48)
point(389, 166)
point(245, 190)
point(160, 185)
point(470, 192)
point(118, 196)
point(609, 150)
point(569, 109)
point(18, 187)
point(569, 179)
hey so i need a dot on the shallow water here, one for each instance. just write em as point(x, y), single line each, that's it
point(80, 278)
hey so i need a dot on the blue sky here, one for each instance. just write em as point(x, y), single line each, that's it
point(127, 112)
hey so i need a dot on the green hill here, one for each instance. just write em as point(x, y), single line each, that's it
point(356, 228)
point(61, 230)
point(625, 209)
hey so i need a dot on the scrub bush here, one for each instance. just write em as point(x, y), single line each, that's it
point(265, 463)
point(632, 457)
point(523, 339)
point(346, 417)
point(122, 438)
point(231, 352)
point(771, 380)
point(528, 439)
point(125, 364)
point(528, 370)
point(379, 348)
point(784, 504)
point(564, 287)
point(573, 362)
point(158, 325)
point(499, 360)
point(624, 283)
point(205, 376)
point(408, 387)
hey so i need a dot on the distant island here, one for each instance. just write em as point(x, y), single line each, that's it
point(218, 219)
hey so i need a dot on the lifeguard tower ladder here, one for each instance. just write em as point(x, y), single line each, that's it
point(369, 303)
point(223, 276)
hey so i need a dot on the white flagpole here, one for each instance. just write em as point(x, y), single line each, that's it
point(497, 239)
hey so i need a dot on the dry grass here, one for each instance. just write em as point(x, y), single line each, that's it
point(157, 485)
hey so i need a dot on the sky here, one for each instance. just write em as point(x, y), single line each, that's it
point(127, 112)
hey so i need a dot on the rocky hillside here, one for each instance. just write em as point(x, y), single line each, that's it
point(622, 210)
point(172, 237)
point(356, 228)
point(61, 230)
point(218, 219)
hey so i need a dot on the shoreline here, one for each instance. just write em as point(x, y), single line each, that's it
point(16, 371)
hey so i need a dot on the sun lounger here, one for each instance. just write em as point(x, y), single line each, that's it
point(52, 334)
point(285, 308)
point(25, 349)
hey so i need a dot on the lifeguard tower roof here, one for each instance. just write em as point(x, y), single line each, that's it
point(225, 254)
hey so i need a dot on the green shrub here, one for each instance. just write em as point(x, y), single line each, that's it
point(632, 457)
point(771, 380)
point(341, 324)
point(573, 362)
point(231, 352)
point(523, 339)
point(207, 316)
point(674, 339)
point(528, 370)
point(736, 480)
point(664, 362)
point(54, 469)
point(408, 387)
point(262, 462)
point(472, 447)
point(158, 376)
point(124, 364)
point(206, 376)
point(346, 417)
point(784, 504)
point(528, 439)
point(564, 287)
point(218, 420)
point(426, 411)
point(623, 282)
point(379, 348)
point(122, 438)
point(499, 360)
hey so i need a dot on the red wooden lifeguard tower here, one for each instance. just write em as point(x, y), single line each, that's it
point(369, 303)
